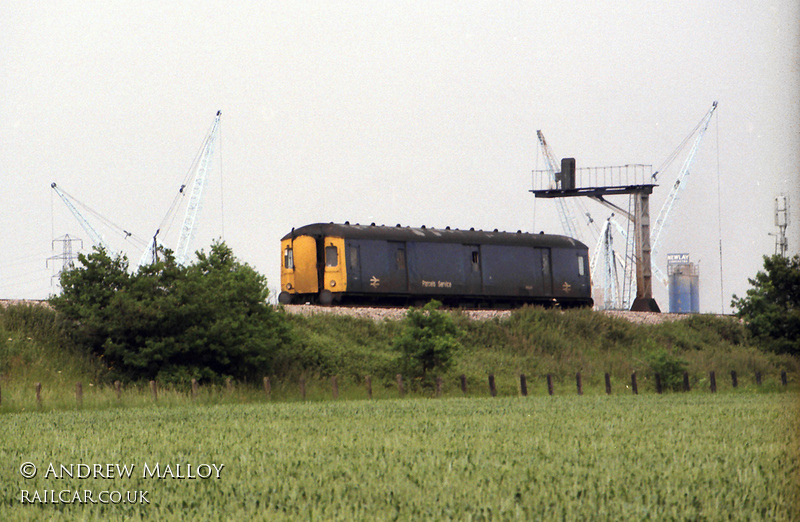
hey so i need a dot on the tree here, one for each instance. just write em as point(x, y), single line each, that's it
point(87, 292)
point(208, 320)
point(771, 309)
point(428, 340)
point(227, 326)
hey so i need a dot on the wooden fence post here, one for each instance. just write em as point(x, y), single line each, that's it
point(118, 389)
point(634, 386)
point(463, 384)
point(712, 377)
point(267, 388)
point(154, 389)
point(549, 384)
point(79, 394)
point(438, 386)
point(523, 385)
point(1, 396)
point(784, 380)
point(758, 378)
point(194, 389)
point(303, 387)
point(686, 386)
point(38, 386)
point(400, 388)
point(608, 383)
point(658, 384)
point(368, 380)
point(579, 383)
point(492, 387)
point(334, 387)
point(734, 379)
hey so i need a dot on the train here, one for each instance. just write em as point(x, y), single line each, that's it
point(376, 265)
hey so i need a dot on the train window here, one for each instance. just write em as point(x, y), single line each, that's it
point(331, 256)
point(476, 261)
point(581, 266)
point(288, 258)
point(353, 256)
point(546, 262)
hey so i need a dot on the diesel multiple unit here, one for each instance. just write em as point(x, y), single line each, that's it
point(366, 264)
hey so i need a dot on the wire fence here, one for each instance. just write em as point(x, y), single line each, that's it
point(438, 387)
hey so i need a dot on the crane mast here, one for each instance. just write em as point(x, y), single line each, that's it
point(94, 235)
point(193, 208)
point(200, 167)
point(661, 220)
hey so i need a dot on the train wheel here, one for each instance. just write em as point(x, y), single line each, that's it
point(325, 298)
point(285, 298)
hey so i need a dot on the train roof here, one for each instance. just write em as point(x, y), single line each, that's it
point(438, 235)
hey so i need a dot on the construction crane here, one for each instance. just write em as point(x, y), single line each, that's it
point(604, 249)
point(193, 208)
point(617, 289)
point(95, 236)
point(589, 232)
point(200, 170)
point(661, 221)
point(639, 249)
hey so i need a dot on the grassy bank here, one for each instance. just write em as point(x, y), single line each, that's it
point(36, 347)
point(537, 342)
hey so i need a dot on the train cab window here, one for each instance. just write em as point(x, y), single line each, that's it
point(331, 256)
point(581, 266)
point(288, 258)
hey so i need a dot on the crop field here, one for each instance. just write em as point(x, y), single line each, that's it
point(676, 456)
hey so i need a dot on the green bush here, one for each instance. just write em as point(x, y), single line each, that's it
point(668, 367)
point(427, 342)
point(208, 320)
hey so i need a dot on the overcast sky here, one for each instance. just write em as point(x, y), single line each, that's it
point(403, 112)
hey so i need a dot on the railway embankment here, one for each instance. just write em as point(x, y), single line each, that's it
point(394, 313)
point(379, 314)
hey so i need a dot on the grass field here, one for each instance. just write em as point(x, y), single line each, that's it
point(671, 457)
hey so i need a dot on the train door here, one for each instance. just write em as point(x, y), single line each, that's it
point(547, 273)
point(335, 273)
point(397, 270)
point(473, 270)
point(353, 255)
point(306, 275)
